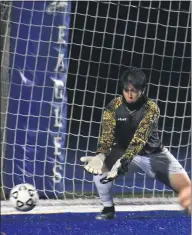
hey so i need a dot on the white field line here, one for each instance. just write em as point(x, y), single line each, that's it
point(46, 208)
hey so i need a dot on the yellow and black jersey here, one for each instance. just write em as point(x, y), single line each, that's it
point(134, 130)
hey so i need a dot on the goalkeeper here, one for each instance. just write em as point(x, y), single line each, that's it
point(130, 139)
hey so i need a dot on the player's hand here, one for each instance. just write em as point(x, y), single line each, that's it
point(94, 164)
point(119, 168)
point(185, 199)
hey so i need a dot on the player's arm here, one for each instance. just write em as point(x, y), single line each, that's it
point(107, 136)
point(137, 143)
point(95, 164)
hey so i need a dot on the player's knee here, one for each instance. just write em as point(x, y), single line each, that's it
point(96, 178)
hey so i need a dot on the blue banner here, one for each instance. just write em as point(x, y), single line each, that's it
point(36, 120)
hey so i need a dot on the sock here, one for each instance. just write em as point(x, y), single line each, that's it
point(104, 190)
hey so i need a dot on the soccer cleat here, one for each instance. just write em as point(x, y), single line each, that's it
point(106, 213)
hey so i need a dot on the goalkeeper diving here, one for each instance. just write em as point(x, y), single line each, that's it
point(130, 140)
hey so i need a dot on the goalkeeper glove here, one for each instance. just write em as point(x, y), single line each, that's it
point(94, 164)
point(119, 168)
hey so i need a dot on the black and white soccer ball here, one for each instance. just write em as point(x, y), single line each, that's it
point(24, 197)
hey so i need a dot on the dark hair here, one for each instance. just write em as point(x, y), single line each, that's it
point(135, 77)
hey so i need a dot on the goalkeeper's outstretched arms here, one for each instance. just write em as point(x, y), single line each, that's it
point(95, 165)
point(137, 143)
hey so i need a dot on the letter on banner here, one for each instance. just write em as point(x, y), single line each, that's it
point(36, 122)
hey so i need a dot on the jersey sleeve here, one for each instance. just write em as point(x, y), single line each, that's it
point(108, 127)
point(143, 131)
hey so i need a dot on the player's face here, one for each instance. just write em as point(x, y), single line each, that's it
point(131, 94)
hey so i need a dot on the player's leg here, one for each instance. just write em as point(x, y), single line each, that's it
point(171, 173)
point(106, 196)
point(166, 168)
point(185, 199)
point(105, 190)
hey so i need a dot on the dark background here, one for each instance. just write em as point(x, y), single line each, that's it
point(106, 37)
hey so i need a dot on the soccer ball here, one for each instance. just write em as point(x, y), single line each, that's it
point(24, 197)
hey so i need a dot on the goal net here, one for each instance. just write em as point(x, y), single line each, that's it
point(61, 63)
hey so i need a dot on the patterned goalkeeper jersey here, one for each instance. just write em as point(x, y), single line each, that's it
point(135, 130)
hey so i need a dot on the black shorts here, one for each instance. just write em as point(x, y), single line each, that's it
point(156, 165)
point(114, 155)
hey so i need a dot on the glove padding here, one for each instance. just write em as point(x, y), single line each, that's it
point(94, 164)
point(119, 168)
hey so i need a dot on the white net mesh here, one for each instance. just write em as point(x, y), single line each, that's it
point(105, 38)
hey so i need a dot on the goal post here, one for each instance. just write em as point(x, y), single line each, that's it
point(100, 39)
